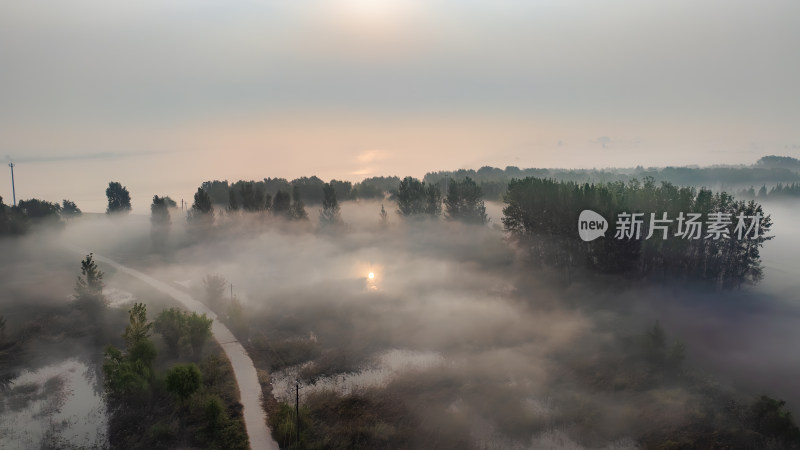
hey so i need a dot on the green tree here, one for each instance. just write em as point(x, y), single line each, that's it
point(70, 209)
point(138, 328)
point(159, 212)
point(89, 286)
point(202, 211)
point(170, 324)
point(330, 213)
point(159, 221)
point(769, 418)
point(433, 200)
point(298, 209)
point(183, 380)
point(464, 202)
point(183, 331)
point(129, 375)
point(281, 204)
point(410, 197)
point(233, 201)
point(40, 211)
point(123, 377)
point(415, 197)
point(119, 199)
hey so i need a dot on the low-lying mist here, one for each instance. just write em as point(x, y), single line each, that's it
point(524, 359)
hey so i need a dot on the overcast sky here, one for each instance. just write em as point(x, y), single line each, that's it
point(161, 95)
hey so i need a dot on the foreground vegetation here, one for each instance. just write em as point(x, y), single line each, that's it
point(183, 395)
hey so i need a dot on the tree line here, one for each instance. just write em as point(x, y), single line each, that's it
point(541, 215)
point(309, 188)
point(17, 220)
point(767, 170)
point(778, 192)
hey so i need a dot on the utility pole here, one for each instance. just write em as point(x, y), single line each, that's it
point(13, 189)
point(231, 292)
point(297, 409)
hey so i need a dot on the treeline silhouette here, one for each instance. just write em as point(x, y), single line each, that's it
point(768, 170)
point(542, 217)
point(778, 192)
point(17, 220)
point(308, 188)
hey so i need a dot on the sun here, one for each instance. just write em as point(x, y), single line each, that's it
point(371, 275)
point(375, 10)
point(376, 16)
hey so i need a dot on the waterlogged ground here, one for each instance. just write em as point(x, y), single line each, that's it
point(55, 406)
point(384, 367)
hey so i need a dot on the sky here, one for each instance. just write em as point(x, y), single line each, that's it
point(162, 95)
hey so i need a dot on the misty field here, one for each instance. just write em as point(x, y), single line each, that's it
point(398, 333)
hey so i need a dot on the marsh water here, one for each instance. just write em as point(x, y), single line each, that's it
point(55, 406)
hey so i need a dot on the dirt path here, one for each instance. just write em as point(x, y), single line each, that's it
point(243, 368)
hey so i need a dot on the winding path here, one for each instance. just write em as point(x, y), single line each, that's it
point(243, 369)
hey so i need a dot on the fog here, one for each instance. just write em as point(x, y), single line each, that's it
point(505, 346)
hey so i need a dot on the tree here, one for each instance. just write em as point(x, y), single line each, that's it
point(138, 328)
point(433, 200)
point(464, 202)
point(128, 375)
point(769, 418)
point(202, 211)
point(119, 199)
point(233, 202)
point(281, 204)
point(89, 286)
point(309, 188)
point(70, 209)
point(384, 217)
point(298, 208)
point(214, 286)
point(123, 377)
point(183, 380)
point(40, 211)
point(330, 213)
point(411, 197)
point(344, 189)
point(159, 220)
point(251, 196)
point(415, 197)
point(183, 331)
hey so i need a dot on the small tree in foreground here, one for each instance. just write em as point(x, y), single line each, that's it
point(89, 286)
point(183, 331)
point(183, 380)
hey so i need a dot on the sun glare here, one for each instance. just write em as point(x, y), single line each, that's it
point(378, 10)
point(376, 16)
point(371, 276)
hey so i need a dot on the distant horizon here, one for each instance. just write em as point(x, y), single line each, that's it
point(94, 200)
